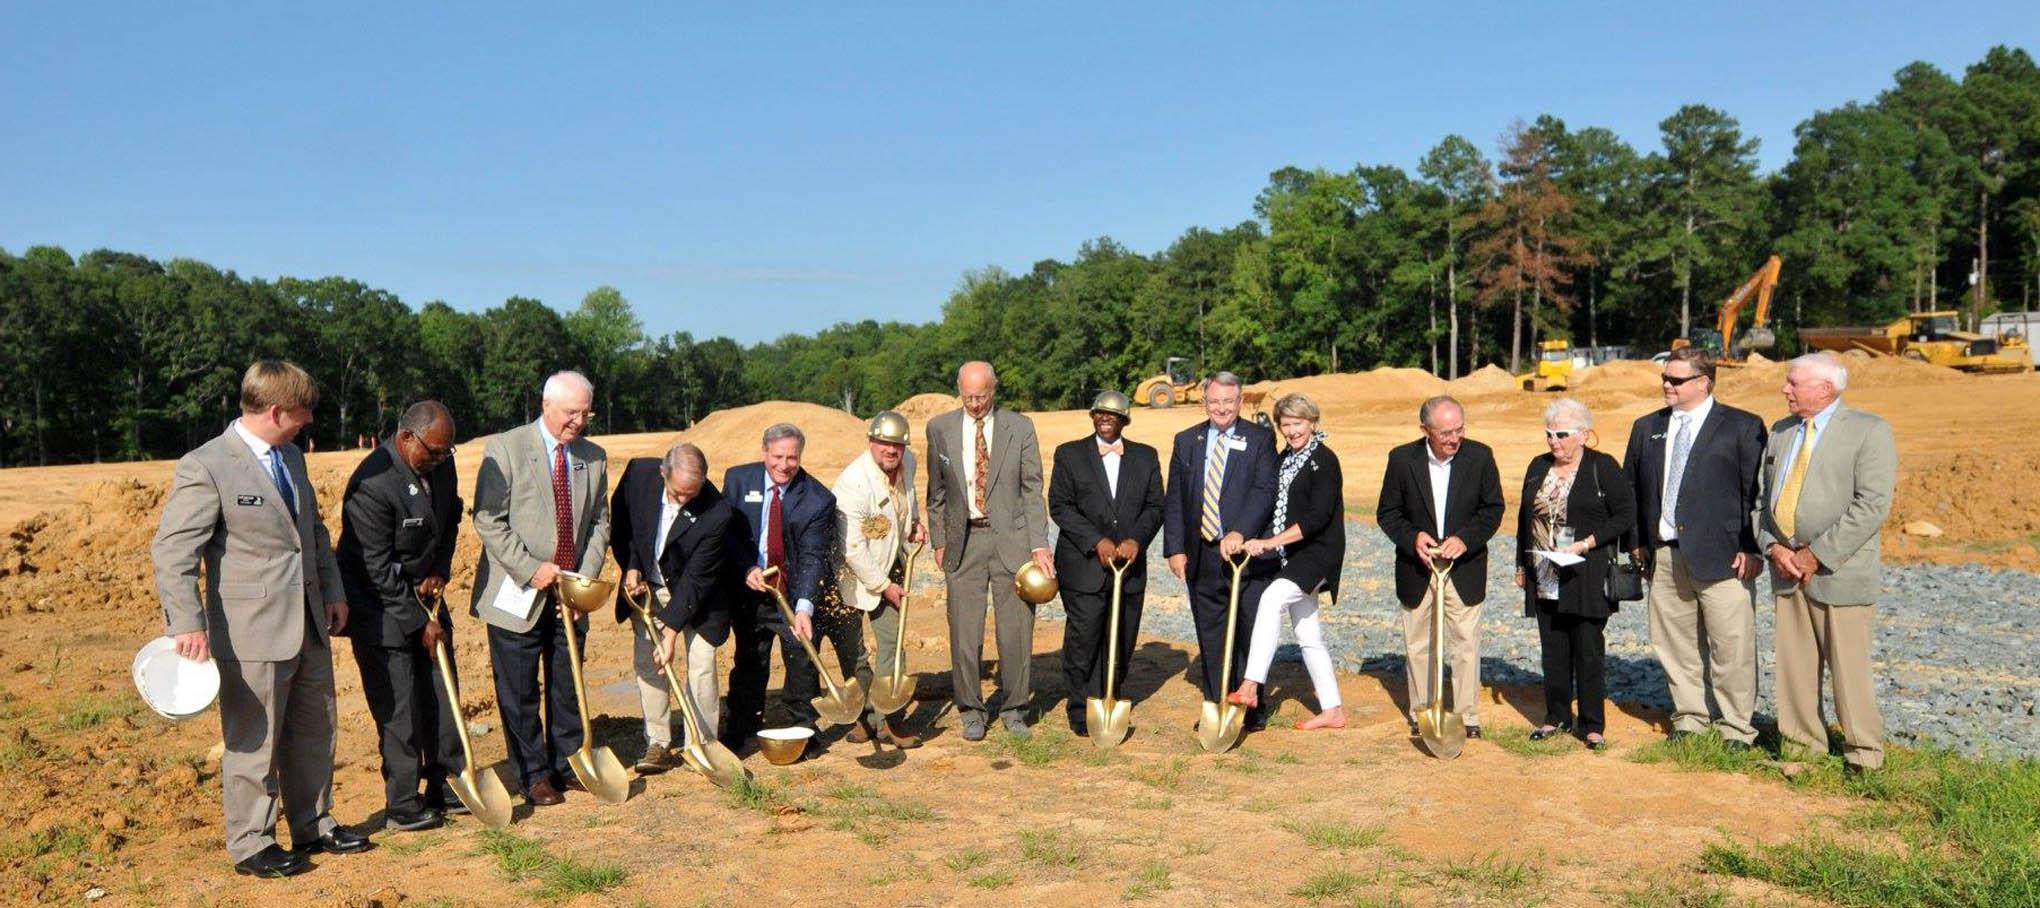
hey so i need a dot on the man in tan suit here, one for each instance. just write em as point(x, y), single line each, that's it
point(1828, 473)
point(878, 516)
point(541, 507)
point(986, 517)
point(242, 506)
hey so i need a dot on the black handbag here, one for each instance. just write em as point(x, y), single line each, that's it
point(1625, 577)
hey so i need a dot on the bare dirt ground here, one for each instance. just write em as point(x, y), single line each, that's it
point(97, 793)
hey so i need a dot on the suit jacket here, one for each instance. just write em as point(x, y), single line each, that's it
point(1246, 497)
point(1013, 502)
point(1717, 495)
point(1317, 503)
point(691, 564)
point(394, 532)
point(1600, 504)
point(266, 574)
point(1473, 512)
point(807, 514)
point(1085, 510)
point(1843, 500)
point(514, 515)
point(873, 520)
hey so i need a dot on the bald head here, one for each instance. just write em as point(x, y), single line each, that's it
point(976, 384)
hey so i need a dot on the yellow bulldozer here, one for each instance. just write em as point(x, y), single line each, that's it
point(1178, 384)
point(1928, 337)
point(1553, 368)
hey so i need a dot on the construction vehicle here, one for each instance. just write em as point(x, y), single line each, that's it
point(1928, 337)
point(1178, 384)
point(1554, 366)
point(1721, 339)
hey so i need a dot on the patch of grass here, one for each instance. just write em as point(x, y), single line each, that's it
point(1242, 761)
point(1198, 848)
point(1335, 834)
point(850, 791)
point(1329, 884)
point(20, 748)
point(1493, 876)
point(991, 880)
point(967, 860)
point(1152, 877)
point(59, 841)
point(757, 794)
point(1093, 756)
point(1517, 741)
point(1700, 753)
point(1145, 802)
point(1391, 900)
point(1166, 775)
point(567, 878)
point(89, 712)
point(1673, 893)
point(407, 845)
point(898, 873)
point(517, 857)
point(1044, 746)
point(1050, 848)
point(1288, 759)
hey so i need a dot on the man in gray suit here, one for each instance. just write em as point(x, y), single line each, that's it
point(1828, 481)
point(541, 507)
point(242, 506)
point(986, 517)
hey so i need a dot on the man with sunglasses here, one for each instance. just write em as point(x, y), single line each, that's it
point(1693, 467)
point(398, 521)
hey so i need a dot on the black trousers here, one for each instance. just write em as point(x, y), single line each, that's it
point(1575, 660)
point(538, 748)
point(1210, 598)
point(756, 625)
point(1087, 617)
point(413, 720)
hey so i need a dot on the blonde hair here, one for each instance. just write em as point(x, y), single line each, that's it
point(1297, 406)
point(277, 383)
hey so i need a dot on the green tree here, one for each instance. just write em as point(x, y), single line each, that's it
point(1703, 204)
point(1465, 182)
point(611, 341)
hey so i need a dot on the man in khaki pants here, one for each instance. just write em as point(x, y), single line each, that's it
point(1828, 482)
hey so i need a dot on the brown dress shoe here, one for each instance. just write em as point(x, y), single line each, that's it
point(573, 783)
point(860, 732)
point(891, 734)
point(657, 759)
point(542, 794)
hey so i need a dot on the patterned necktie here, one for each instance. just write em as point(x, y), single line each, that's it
point(563, 512)
point(281, 477)
point(1214, 482)
point(775, 540)
point(1675, 474)
point(1786, 509)
point(984, 467)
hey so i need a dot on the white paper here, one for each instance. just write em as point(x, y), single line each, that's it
point(514, 599)
point(1561, 559)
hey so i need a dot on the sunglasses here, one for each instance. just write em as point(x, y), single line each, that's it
point(1561, 434)
point(1675, 380)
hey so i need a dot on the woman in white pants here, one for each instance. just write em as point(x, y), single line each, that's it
point(1308, 537)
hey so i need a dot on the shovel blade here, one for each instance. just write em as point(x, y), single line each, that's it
point(484, 796)
point(715, 762)
point(841, 703)
point(1443, 732)
point(889, 698)
point(601, 772)
point(1218, 726)
point(1108, 720)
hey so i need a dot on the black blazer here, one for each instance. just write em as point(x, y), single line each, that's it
point(1246, 498)
point(808, 518)
point(393, 534)
point(1717, 495)
point(1473, 512)
point(1601, 505)
point(1081, 503)
point(696, 546)
point(1317, 503)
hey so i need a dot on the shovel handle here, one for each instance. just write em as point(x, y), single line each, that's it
point(441, 655)
point(786, 611)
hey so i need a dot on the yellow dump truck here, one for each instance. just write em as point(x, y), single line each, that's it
point(1928, 337)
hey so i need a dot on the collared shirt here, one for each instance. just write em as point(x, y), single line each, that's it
point(668, 512)
point(1691, 421)
point(1820, 424)
point(1111, 465)
point(552, 444)
point(970, 458)
point(802, 606)
point(261, 449)
point(1441, 482)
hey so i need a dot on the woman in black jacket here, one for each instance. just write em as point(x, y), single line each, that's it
point(1575, 501)
point(1308, 537)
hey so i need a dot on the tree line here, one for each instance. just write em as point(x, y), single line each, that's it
point(1926, 197)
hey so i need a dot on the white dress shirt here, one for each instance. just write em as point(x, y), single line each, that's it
point(1111, 465)
point(970, 459)
point(668, 512)
point(261, 449)
point(1441, 481)
point(1695, 418)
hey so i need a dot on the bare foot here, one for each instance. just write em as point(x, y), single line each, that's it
point(1331, 718)
point(1249, 695)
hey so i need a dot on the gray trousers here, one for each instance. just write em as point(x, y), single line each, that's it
point(278, 722)
point(979, 574)
point(1687, 616)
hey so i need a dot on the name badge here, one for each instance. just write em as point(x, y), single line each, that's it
point(754, 496)
point(248, 501)
point(414, 521)
point(578, 467)
point(1237, 444)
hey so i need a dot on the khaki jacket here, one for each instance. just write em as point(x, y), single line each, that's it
point(873, 520)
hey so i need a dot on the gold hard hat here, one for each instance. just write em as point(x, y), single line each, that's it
point(889, 426)
point(1114, 403)
point(1033, 584)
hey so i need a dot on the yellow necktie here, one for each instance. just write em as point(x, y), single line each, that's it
point(1786, 509)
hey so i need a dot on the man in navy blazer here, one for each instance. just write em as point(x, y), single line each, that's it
point(785, 518)
point(1221, 490)
point(1695, 532)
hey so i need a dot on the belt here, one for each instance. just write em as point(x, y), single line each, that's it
point(981, 523)
point(1669, 543)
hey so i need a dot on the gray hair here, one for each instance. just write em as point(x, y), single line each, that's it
point(1825, 365)
point(1221, 377)
point(684, 459)
point(990, 372)
point(1431, 405)
point(567, 382)
point(1569, 407)
point(419, 418)
point(1297, 406)
point(780, 430)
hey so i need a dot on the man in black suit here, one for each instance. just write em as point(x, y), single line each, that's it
point(785, 518)
point(1694, 467)
point(669, 531)
point(1441, 490)
point(399, 517)
point(1221, 490)
point(1105, 497)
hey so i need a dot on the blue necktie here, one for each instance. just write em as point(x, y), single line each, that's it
point(281, 477)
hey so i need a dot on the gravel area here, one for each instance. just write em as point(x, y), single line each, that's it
point(1958, 648)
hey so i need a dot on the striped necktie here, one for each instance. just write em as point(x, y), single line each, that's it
point(1214, 482)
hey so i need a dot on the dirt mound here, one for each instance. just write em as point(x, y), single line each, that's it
point(731, 437)
point(1389, 384)
point(1971, 495)
point(1488, 379)
point(1618, 375)
point(922, 407)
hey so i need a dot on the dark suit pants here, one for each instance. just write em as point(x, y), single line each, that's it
point(753, 666)
point(1210, 599)
point(1575, 661)
point(538, 750)
point(413, 720)
point(1083, 651)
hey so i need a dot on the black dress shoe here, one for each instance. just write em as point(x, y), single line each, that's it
point(272, 862)
point(1256, 720)
point(542, 794)
point(1079, 725)
point(1473, 732)
point(447, 803)
point(339, 841)
point(413, 820)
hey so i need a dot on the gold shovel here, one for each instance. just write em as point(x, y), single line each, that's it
point(703, 754)
point(1218, 724)
point(843, 700)
point(1443, 731)
point(483, 792)
point(596, 767)
point(1109, 716)
point(892, 692)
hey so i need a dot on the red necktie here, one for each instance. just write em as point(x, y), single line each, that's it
point(563, 512)
point(775, 540)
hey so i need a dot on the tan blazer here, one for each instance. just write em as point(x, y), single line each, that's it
point(1843, 500)
point(873, 520)
point(1014, 507)
point(514, 515)
point(266, 575)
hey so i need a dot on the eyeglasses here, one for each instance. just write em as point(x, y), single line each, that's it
point(1676, 380)
point(431, 452)
point(585, 416)
point(1561, 434)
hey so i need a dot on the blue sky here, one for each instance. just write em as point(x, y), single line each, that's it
point(750, 172)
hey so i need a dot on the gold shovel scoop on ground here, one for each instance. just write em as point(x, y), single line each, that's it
point(893, 691)
point(482, 792)
point(702, 753)
point(1443, 731)
point(596, 767)
point(1109, 716)
point(842, 700)
point(1218, 724)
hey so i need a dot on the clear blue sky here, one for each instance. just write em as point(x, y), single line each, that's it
point(750, 172)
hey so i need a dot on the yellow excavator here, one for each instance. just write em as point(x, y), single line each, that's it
point(1720, 340)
